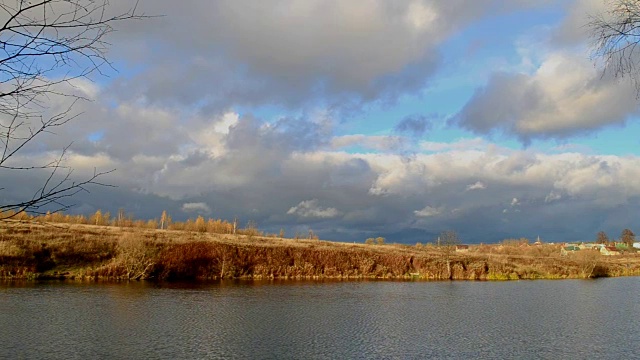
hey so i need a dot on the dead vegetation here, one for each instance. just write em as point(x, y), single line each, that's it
point(44, 250)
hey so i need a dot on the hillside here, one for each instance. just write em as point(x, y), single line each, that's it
point(31, 250)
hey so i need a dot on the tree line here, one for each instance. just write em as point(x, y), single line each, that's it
point(164, 222)
point(122, 219)
point(627, 237)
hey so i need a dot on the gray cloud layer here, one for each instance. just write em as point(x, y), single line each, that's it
point(339, 54)
point(284, 175)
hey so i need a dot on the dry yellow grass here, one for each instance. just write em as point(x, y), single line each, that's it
point(46, 250)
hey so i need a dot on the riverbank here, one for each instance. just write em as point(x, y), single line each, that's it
point(53, 250)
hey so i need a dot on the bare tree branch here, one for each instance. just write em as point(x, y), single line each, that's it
point(44, 46)
point(615, 35)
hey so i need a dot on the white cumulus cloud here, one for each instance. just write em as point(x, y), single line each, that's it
point(566, 95)
point(553, 196)
point(428, 211)
point(196, 207)
point(478, 185)
point(312, 209)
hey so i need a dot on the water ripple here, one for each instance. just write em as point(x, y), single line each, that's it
point(328, 320)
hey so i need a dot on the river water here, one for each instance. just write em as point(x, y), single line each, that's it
point(572, 319)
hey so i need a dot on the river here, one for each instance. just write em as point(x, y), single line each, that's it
point(572, 319)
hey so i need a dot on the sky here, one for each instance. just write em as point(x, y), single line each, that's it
point(358, 119)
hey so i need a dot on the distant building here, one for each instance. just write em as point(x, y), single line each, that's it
point(591, 246)
point(609, 251)
point(622, 247)
point(566, 250)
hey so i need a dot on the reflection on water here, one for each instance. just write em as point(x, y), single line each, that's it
point(307, 320)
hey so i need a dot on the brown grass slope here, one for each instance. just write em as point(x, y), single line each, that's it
point(35, 250)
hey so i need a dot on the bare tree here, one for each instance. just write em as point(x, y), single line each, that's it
point(628, 238)
point(615, 35)
point(135, 257)
point(44, 46)
point(587, 261)
point(164, 220)
point(447, 241)
point(602, 238)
